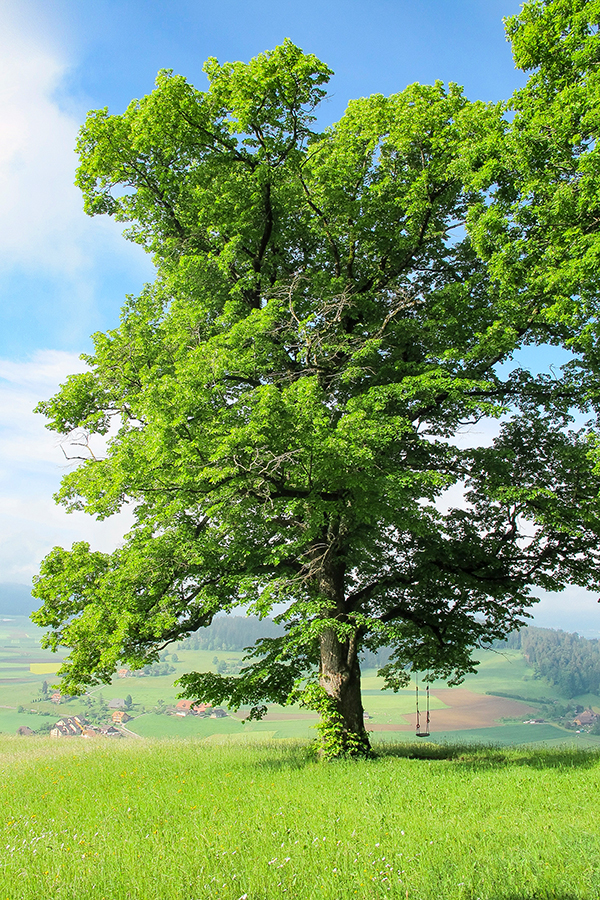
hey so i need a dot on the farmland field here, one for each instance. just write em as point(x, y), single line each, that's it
point(472, 711)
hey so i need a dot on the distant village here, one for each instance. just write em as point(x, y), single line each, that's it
point(80, 726)
point(585, 720)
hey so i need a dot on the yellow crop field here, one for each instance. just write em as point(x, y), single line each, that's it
point(44, 668)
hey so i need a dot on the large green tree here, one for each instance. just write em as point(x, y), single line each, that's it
point(286, 404)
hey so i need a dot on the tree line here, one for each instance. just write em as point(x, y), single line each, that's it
point(568, 661)
point(230, 633)
point(238, 632)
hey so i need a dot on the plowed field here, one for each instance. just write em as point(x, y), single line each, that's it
point(465, 709)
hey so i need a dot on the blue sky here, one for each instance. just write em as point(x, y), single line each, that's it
point(64, 276)
point(73, 56)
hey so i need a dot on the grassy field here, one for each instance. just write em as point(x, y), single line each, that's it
point(24, 666)
point(236, 811)
point(224, 820)
point(507, 671)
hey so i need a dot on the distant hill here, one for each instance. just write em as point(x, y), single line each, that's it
point(16, 599)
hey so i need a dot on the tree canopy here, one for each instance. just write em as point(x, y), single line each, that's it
point(285, 407)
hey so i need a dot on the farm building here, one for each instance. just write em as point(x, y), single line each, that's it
point(109, 731)
point(78, 726)
point(587, 717)
point(189, 708)
point(69, 726)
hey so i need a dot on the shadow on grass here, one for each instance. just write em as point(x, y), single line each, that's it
point(485, 757)
point(272, 755)
point(296, 754)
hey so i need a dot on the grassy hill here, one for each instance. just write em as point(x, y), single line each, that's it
point(228, 820)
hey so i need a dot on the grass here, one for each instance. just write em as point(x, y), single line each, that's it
point(224, 820)
point(152, 726)
point(507, 671)
point(508, 734)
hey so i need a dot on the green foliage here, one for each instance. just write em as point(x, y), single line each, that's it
point(538, 224)
point(335, 740)
point(285, 402)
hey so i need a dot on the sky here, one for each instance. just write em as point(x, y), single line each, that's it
point(64, 275)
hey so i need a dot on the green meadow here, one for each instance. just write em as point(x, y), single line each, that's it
point(245, 811)
point(231, 819)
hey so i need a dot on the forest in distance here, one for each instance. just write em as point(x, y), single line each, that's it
point(564, 659)
point(568, 661)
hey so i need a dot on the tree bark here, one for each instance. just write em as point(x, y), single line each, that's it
point(343, 726)
point(339, 676)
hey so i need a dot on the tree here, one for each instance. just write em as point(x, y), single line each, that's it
point(285, 405)
point(538, 225)
point(128, 701)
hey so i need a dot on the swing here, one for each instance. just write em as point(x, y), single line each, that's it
point(425, 732)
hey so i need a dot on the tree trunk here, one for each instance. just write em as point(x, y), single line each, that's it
point(343, 727)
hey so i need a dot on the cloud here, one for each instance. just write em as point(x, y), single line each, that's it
point(56, 286)
point(53, 258)
point(31, 466)
point(38, 201)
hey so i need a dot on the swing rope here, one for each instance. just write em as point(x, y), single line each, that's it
point(419, 732)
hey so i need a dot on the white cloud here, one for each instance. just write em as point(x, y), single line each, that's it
point(44, 235)
point(31, 466)
point(38, 201)
point(44, 232)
